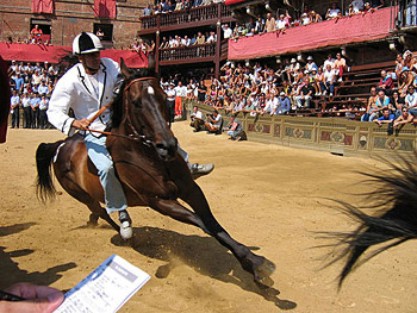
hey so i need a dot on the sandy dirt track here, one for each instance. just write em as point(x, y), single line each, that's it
point(268, 197)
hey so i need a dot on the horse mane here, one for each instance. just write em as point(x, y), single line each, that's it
point(395, 221)
point(117, 105)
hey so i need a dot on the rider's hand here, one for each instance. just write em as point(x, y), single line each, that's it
point(81, 124)
point(40, 299)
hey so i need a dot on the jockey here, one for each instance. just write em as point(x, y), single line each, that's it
point(87, 87)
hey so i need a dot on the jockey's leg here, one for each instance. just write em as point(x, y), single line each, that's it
point(113, 192)
point(196, 169)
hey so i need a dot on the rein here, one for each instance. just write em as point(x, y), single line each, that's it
point(135, 134)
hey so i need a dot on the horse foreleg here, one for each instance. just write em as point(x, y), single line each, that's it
point(175, 210)
point(258, 266)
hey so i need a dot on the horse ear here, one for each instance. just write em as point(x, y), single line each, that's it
point(124, 69)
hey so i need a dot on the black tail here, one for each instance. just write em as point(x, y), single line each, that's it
point(45, 153)
point(396, 220)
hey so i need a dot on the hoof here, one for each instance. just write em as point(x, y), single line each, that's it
point(92, 224)
point(263, 273)
point(126, 231)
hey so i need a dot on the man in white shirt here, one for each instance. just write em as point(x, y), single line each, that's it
point(14, 108)
point(227, 31)
point(329, 79)
point(26, 110)
point(197, 119)
point(43, 107)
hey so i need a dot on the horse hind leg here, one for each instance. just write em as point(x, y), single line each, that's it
point(97, 211)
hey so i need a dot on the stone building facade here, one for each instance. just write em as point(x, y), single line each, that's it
point(69, 18)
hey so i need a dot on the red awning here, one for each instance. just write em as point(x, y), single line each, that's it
point(347, 30)
point(53, 54)
point(233, 2)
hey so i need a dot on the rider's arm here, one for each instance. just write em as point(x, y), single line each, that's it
point(58, 109)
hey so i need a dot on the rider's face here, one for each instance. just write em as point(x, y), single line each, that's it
point(91, 61)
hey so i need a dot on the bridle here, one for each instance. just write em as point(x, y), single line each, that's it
point(134, 135)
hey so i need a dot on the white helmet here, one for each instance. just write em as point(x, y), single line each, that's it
point(85, 43)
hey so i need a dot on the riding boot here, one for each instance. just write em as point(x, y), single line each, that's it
point(198, 170)
point(126, 230)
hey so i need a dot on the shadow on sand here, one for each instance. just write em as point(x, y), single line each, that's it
point(204, 254)
point(10, 271)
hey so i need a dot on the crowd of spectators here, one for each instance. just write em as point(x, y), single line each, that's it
point(31, 85)
point(393, 100)
point(169, 6)
point(263, 90)
point(283, 20)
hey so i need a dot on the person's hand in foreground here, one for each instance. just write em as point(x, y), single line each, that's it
point(40, 299)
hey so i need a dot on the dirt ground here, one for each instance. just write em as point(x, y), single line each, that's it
point(268, 197)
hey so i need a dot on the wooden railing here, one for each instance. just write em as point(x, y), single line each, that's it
point(182, 53)
point(179, 17)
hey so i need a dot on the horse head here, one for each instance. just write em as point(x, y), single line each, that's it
point(144, 112)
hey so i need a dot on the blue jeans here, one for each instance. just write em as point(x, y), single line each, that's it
point(113, 192)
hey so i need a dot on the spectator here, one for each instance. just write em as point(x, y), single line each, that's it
point(385, 83)
point(181, 94)
point(34, 105)
point(36, 34)
point(236, 131)
point(311, 65)
point(283, 22)
point(329, 75)
point(43, 107)
point(305, 19)
point(340, 66)
point(386, 118)
point(214, 123)
point(411, 100)
point(315, 17)
point(411, 13)
point(197, 119)
point(227, 31)
point(304, 94)
point(357, 6)
point(147, 11)
point(269, 23)
point(404, 118)
point(332, 12)
point(15, 108)
point(26, 110)
point(100, 33)
point(171, 95)
point(284, 104)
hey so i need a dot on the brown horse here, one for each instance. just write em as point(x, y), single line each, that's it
point(147, 162)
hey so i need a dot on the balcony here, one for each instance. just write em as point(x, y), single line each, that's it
point(204, 53)
point(182, 19)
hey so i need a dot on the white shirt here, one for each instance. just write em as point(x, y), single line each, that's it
point(26, 102)
point(329, 76)
point(227, 32)
point(171, 93)
point(411, 99)
point(14, 100)
point(357, 5)
point(181, 91)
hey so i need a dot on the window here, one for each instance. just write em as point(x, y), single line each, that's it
point(105, 29)
point(45, 26)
